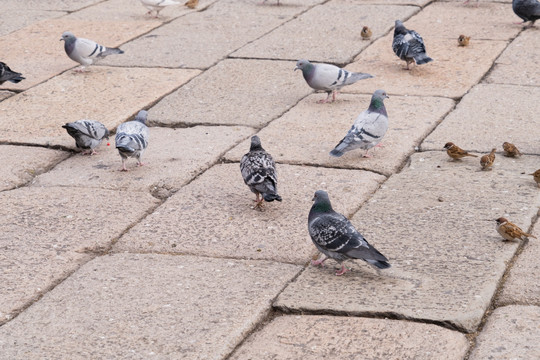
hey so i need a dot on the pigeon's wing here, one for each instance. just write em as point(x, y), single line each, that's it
point(326, 77)
point(133, 135)
point(87, 48)
point(400, 46)
point(416, 43)
point(257, 167)
point(332, 231)
point(91, 128)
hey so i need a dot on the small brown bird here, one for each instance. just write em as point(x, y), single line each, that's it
point(455, 152)
point(510, 231)
point(536, 175)
point(511, 150)
point(463, 40)
point(192, 4)
point(487, 161)
point(366, 33)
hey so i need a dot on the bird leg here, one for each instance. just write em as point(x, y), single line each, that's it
point(342, 271)
point(334, 93)
point(320, 261)
point(326, 100)
point(89, 152)
point(81, 69)
point(124, 168)
point(366, 155)
point(258, 202)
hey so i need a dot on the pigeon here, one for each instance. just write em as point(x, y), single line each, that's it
point(409, 46)
point(527, 10)
point(88, 134)
point(157, 5)
point(328, 77)
point(259, 172)
point(335, 236)
point(132, 138)
point(368, 128)
point(85, 51)
point(6, 74)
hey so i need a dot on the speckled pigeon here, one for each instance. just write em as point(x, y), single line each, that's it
point(327, 77)
point(368, 128)
point(335, 236)
point(88, 134)
point(527, 10)
point(157, 5)
point(85, 51)
point(6, 74)
point(132, 139)
point(259, 172)
point(409, 45)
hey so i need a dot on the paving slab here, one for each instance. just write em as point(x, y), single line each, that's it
point(511, 332)
point(330, 40)
point(49, 5)
point(411, 119)
point(234, 92)
point(489, 115)
point(107, 94)
point(435, 223)
point(521, 285)
point(213, 215)
point(335, 337)
point(448, 20)
point(453, 72)
point(201, 39)
point(148, 306)
point(20, 164)
point(173, 158)
point(13, 19)
point(5, 94)
point(518, 64)
point(48, 232)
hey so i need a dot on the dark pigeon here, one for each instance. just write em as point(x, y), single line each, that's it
point(409, 45)
point(132, 139)
point(527, 10)
point(88, 134)
point(6, 74)
point(335, 236)
point(259, 172)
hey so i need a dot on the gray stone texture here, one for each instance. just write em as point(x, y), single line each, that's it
point(214, 214)
point(339, 338)
point(435, 223)
point(147, 306)
point(47, 233)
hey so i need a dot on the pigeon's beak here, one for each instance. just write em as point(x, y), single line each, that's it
point(296, 68)
point(61, 39)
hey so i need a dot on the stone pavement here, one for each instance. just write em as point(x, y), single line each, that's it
point(170, 261)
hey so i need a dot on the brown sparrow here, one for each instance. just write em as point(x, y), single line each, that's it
point(192, 4)
point(536, 175)
point(487, 161)
point(455, 152)
point(510, 231)
point(366, 33)
point(511, 150)
point(463, 40)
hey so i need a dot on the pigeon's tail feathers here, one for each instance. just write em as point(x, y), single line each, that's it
point(125, 149)
point(271, 197)
point(356, 77)
point(16, 79)
point(110, 51)
point(422, 59)
point(336, 153)
point(379, 264)
point(340, 148)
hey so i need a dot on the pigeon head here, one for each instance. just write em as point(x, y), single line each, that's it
point(255, 143)
point(303, 65)
point(501, 221)
point(141, 116)
point(68, 37)
point(399, 29)
point(321, 201)
point(448, 145)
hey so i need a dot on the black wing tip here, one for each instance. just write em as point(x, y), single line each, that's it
point(382, 264)
point(336, 153)
point(271, 197)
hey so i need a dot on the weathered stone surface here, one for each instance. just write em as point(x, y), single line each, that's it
point(332, 337)
point(22, 163)
point(448, 20)
point(307, 133)
point(201, 39)
point(521, 286)
point(15, 19)
point(488, 116)
point(109, 95)
point(5, 94)
point(511, 332)
point(147, 306)
point(173, 157)
point(330, 39)
point(519, 63)
point(452, 73)
point(213, 215)
point(47, 232)
point(434, 221)
point(234, 92)
point(49, 5)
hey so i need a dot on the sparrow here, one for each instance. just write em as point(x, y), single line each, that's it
point(463, 40)
point(192, 4)
point(511, 150)
point(366, 33)
point(487, 161)
point(536, 175)
point(510, 231)
point(455, 152)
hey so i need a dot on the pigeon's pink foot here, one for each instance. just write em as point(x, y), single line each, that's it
point(379, 145)
point(367, 156)
point(322, 101)
point(140, 164)
point(123, 169)
point(342, 271)
point(318, 262)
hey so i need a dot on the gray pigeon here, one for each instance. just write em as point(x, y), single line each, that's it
point(132, 138)
point(259, 172)
point(527, 10)
point(88, 134)
point(409, 45)
point(328, 77)
point(85, 51)
point(6, 74)
point(335, 236)
point(157, 5)
point(368, 128)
